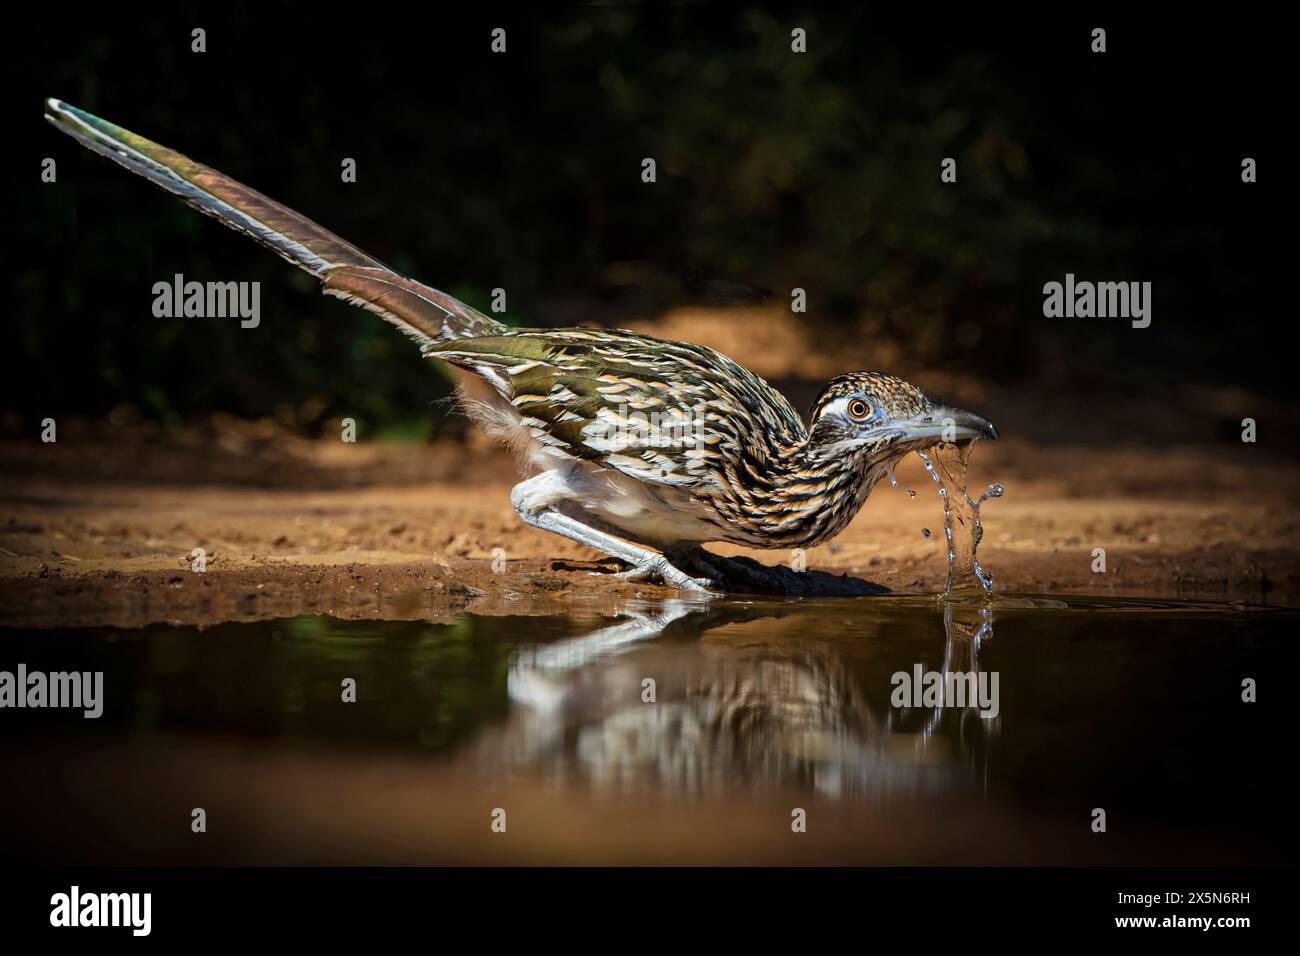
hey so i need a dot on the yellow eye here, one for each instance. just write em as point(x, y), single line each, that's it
point(858, 408)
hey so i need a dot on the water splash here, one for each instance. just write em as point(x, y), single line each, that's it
point(961, 516)
point(889, 471)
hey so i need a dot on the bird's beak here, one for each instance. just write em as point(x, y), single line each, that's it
point(940, 423)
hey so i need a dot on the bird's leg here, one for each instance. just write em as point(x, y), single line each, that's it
point(645, 562)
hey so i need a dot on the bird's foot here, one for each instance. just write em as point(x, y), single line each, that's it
point(656, 567)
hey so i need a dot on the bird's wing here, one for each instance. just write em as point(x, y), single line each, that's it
point(668, 413)
point(346, 272)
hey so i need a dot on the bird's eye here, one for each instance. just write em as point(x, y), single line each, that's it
point(858, 408)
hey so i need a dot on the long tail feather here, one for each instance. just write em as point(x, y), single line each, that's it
point(423, 313)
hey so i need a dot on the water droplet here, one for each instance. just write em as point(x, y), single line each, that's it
point(889, 471)
point(961, 515)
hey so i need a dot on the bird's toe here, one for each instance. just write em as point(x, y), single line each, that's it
point(659, 568)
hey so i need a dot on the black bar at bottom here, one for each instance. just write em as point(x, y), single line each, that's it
point(301, 905)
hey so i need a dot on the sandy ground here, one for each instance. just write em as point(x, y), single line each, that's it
point(100, 528)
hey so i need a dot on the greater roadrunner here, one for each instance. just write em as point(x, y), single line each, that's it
point(639, 448)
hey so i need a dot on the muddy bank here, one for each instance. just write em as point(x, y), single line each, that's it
point(103, 529)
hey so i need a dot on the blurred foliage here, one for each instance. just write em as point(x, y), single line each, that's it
point(522, 171)
point(419, 686)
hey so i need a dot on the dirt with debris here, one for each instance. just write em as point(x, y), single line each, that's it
point(102, 526)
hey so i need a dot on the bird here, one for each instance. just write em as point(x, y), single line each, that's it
point(640, 448)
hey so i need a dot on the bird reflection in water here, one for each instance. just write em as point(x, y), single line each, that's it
point(684, 699)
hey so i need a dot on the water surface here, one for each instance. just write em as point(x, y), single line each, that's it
point(759, 710)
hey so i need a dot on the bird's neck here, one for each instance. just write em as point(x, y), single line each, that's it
point(814, 491)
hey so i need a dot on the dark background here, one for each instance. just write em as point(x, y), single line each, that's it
point(775, 170)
